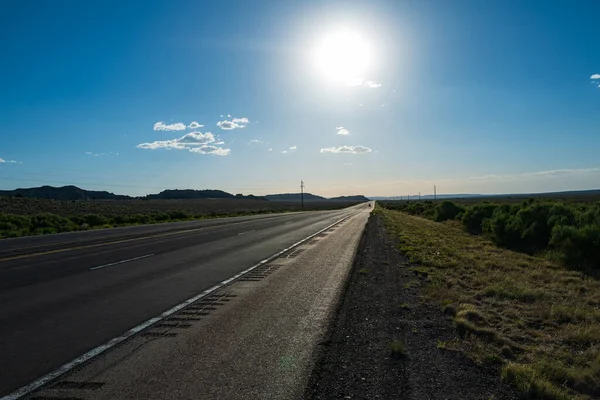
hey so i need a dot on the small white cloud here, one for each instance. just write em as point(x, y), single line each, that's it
point(270, 150)
point(194, 142)
point(161, 126)
point(372, 84)
point(293, 148)
point(3, 161)
point(347, 150)
point(254, 141)
point(110, 153)
point(360, 105)
point(342, 131)
point(364, 83)
point(595, 76)
point(190, 139)
point(218, 151)
point(233, 123)
point(284, 151)
point(228, 115)
point(195, 125)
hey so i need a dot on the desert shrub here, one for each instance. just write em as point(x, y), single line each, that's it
point(95, 220)
point(176, 215)
point(578, 246)
point(447, 210)
point(475, 216)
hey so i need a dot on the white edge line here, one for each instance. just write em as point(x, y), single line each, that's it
point(27, 389)
point(121, 262)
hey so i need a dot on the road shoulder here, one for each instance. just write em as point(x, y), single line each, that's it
point(387, 344)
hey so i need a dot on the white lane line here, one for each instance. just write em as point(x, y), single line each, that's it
point(243, 233)
point(121, 262)
point(25, 390)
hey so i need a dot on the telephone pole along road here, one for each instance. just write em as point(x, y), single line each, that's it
point(253, 338)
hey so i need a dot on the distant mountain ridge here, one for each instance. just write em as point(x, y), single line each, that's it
point(63, 193)
point(70, 193)
point(313, 197)
point(590, 192)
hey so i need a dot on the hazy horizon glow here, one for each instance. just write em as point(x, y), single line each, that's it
point(380, 98)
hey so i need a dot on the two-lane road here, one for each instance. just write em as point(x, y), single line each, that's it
point(62, 295)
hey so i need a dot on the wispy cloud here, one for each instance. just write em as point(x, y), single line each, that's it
point(342, 131)
point(270, 150)
point(254, 141)
point(371, 84)
point(110, 153)
point(3, 161)
point(233, 123)
point(293, 148)
point(195, 125)
point(161, 126)
point(595, 79)
point(364, 83)
point(207, 149)
point(347, 150)
point(195, 142)
point(552, 172)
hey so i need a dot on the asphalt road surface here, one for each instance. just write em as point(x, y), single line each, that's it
point(63, 295)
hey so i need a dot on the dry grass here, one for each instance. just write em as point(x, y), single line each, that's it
point(538, 320)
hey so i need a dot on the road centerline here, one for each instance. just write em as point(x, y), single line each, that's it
point(121, 262)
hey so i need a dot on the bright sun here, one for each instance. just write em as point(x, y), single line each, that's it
point(343, 56)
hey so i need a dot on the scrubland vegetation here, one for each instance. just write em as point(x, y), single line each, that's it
point(566, 231)
point(525, 311)
point(26, 216)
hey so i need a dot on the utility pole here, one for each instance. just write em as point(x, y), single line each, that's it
point(302, 193)
point(419, 196)
point(434, 193)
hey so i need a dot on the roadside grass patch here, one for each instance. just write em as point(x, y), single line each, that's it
point(535, 320)
point(363, 271)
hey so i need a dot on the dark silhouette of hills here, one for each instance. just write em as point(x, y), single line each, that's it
point(191, 194)
point(62, 193)
point(359, 198)
point(294, 197)
point(75, 193)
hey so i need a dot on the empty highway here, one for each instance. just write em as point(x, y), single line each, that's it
point(63, 295)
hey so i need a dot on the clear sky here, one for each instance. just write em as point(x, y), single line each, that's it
point(354, 97)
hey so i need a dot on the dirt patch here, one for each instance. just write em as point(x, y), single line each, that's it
point(387, 344)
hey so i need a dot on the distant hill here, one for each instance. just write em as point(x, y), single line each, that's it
point(359, 198)
point(62, 193)
point(570, 193)
point(313, 197)
point(294, 197)
point(191, 194)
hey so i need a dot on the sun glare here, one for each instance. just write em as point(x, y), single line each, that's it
point(343, 56)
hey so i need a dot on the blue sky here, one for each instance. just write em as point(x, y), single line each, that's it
point(474, 96)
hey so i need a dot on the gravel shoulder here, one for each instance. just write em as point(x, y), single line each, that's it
point(382, 308)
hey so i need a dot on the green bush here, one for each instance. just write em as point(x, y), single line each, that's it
point(474, 217)
point(447, 210)
point(578, 246)
point(95, 220)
